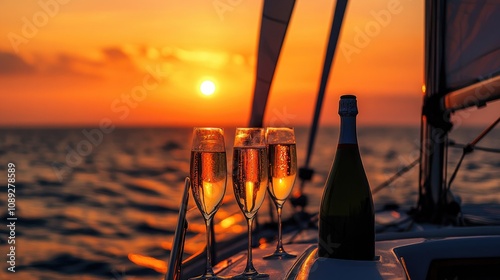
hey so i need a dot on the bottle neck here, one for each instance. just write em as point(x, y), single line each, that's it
point(348, 130)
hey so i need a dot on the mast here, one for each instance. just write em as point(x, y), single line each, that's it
point(435, 123)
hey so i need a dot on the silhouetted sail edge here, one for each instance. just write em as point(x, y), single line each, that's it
point(275, 18)
point(471, 53)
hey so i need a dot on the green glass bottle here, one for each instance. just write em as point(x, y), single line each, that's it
point(347, 220)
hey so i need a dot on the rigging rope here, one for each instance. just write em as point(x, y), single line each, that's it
point(395, 176)
point(467, 149)
point(484, 149)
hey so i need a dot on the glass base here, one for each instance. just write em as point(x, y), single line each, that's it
point(251, 275)
point(208, 277)
point(279, 255)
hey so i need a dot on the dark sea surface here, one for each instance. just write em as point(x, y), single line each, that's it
point(94, 205)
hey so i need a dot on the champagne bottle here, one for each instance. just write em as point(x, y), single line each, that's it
point(347, 221)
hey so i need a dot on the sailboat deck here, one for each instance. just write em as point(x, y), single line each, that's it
point(416, 254)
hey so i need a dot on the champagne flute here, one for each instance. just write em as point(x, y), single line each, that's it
point(282, 173)
point(208, 173)
point(250, 178)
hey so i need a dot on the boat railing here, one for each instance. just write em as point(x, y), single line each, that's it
point(175, 259)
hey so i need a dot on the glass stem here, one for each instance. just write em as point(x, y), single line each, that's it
point(279, 247)
point(249, 267)
point(208, 269)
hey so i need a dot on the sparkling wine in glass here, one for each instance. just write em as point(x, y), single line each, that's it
point(250, 179)
point(282, 173)
point(208, 173)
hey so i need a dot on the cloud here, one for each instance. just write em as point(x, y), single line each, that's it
point(11, 64)
point(109, 61)
point(114, 53)
point(66, 64)
point(214, 59)
point(115, 61)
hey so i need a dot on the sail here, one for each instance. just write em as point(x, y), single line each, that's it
point(275, 18)
point(471, 52)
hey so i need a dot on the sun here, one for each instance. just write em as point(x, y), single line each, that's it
point(207, 88)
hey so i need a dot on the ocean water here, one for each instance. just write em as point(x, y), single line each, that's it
point(94, 205)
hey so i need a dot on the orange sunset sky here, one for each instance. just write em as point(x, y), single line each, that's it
point(76, 62)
